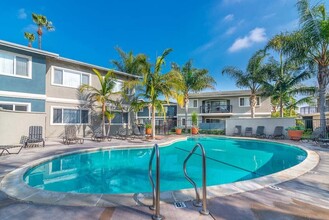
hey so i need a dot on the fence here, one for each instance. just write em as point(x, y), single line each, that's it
point(309, 125)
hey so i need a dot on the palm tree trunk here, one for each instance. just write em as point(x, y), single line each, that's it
point(103, 119)
point(39, 32)
point(153, 122)
point(186, 111)
point(281, 107)
point(322, 80)
point(253, 103)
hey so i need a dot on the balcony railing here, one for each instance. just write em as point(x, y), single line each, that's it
point(216, 109)
point(311, 110)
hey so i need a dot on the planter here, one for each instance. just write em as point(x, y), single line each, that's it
point(295, 135)
point(195, 130)
point(148, 131)
point(178, 131)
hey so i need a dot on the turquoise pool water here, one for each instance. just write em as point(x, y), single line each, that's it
point(116, 171)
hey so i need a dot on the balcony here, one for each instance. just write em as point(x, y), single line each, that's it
point(216, 109)
point(311, 110)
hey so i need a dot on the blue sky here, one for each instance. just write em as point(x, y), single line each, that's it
point(214, 33)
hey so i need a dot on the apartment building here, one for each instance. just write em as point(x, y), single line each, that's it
point(36, 82)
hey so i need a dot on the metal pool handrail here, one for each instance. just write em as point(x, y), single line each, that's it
point(198, 201)
point(155, 190)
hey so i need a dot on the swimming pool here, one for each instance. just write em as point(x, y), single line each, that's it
point(117, 171)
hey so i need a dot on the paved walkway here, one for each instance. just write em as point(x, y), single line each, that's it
point(306, 197)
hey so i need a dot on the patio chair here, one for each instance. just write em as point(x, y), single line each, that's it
point(237, 130)
point(315, 136)
point(122, 133)
point(98, 135)
point(71, 135)
point(248, 132)
point(260, 132)
point(35, 136)
point(278, 133)
point(5, 148)
point(136, 133)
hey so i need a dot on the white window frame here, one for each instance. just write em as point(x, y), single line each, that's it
point(17, 103)
point(70, 70)
point(129, 92)
point(71, 108)
point(248, 104)
point(29, 65)
point(191, 103)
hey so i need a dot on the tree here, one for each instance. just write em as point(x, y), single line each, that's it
point(252, 78)
point(310, 45)
point(193, 80)
point(30, 37)
point(129, 63)
point(102, 96)
point(42, 22)
point(154, 85)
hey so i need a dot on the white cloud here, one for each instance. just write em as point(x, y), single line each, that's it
point(22, 13)
point(231, 31)
point(257, 35)
point(229, 17)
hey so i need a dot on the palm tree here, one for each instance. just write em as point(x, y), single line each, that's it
point(30, 37)
point(42, 22)
point(130, 63)
point(310, 45)
point(102, 95)
point(252, 78)
point(155, 85)
point(193, 80)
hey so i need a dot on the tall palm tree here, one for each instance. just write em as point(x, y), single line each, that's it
point(154, 86)
point(30, 37)
point(252, 78)
point(130, 63)
point(102, 96)
point(42, 22)
point(310, 43)
point(193, 80)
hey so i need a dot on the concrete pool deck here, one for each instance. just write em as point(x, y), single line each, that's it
point(304, 197)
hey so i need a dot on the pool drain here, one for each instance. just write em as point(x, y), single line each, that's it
point(179, 205)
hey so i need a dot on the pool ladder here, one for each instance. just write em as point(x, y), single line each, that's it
point(155, 189)
point(198, 202)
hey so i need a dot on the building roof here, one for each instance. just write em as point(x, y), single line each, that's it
point(218, 94)
point(56, 56)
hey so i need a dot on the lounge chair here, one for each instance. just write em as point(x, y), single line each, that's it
point(5, 148)
point(278, 133)
point(98, 135)
point(315, 136)
point(136, 133)
point(260, 132)
point(248, 132)
point(71, 135)
point(122, 133)
point(35, 136)
point(237, 130)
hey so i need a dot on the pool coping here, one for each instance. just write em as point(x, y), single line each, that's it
point(15, 187)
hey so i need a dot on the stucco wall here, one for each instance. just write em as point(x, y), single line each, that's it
point(269, 124)
point(15, 124)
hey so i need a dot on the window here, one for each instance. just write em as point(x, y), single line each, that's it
point(120, 118)
point(70, 78)
point(21, 107)
point(193, 103)
point(245, 101)
point(118, 86)
point(70, 116)
point(15, 65)
point(183, 121)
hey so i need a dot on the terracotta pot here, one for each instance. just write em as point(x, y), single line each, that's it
point(178, 131)
point(295, 135)
point(195, 130)
point(148, 131)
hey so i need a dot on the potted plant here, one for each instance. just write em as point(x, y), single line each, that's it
point(178, 130)
point(295, 133)
point(148, 129)
point(194, 129)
